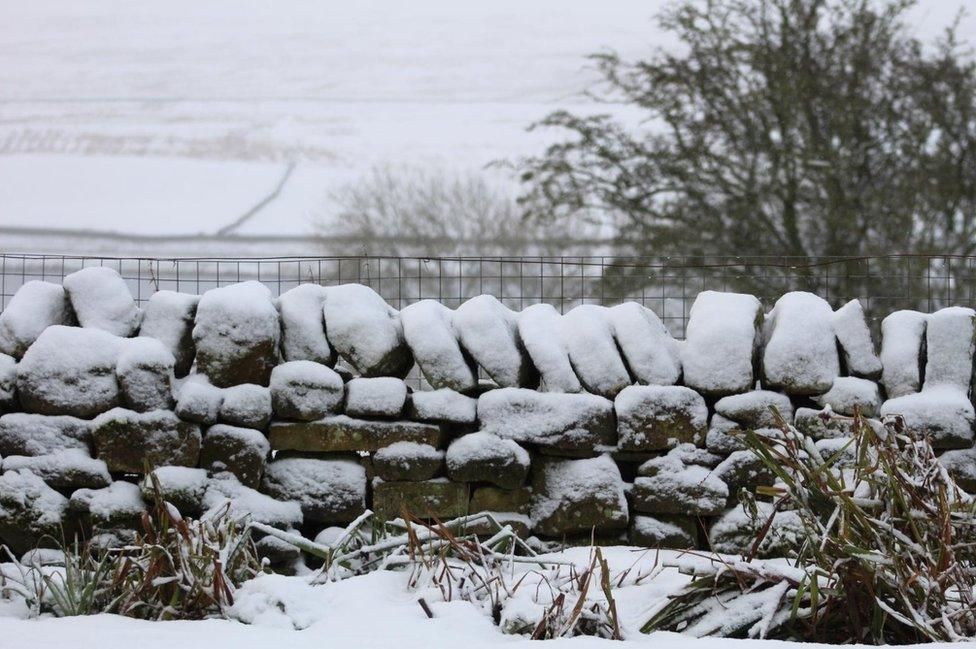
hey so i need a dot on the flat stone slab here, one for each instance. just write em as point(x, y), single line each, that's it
point(440, 498)
point(343, 433)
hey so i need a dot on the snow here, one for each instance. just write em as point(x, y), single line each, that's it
point(801, 353)
point(246, 405)
point(119, 500)
point(588, 334)
point(489, 333)
point(429, 330)
point(752, 409)
point(540, 417)
point(902, 337)
point(145, 373)
point(305, 390)
point(649, 350)
point(857, 347)
point(721, 339)
point(101, 299)
point(376, 397)
point(303, 335)
point(199, 401)
point(540, 331)
point(27, 434)
point(443, 405)
point(848, 392)
point(226, 491)
point(33, 308)
point(949, 339)
point(366, 331)
point(169, 319)
point(8, 382)
point(329, 491)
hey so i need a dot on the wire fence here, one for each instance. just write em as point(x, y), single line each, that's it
point(666, 285)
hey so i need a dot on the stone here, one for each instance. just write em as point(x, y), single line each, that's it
point(31, 512)
point(246, 405)
point(800, 357)
point(587, 332)
point(848, 393)
point(902, 357)
point(8, 383)
point(236, 334)
point(722, 342)
point(725, 436)
point(755, 409)
point(241, 451)
point(34, 307)
point(275, 550)
point(428, 327)
point(100, 299)
point(961, 465)
point(577, 496)
point(488, 331)
point(735, 532)
point(27, 434)
point(366, 331)
point(744, 469)
point(950, 341)
point(342, 433)
point(303, 335)
point(329, 491)
point(442, 406)
point(562, 422)
point(169, 319)
point(438, 498)
point(226, 495)
point(182, 486)
point(127, 441)
point(407, 462)
point(691, 454)
point(145, 375)
point(855, 342)
point(672, 532)
point(199, 401)
point(646, 344)
point(117, 506)
point(70, 371)
point(376, 397)
point(305, 390)
point(495, 499)
point(944, 413)
point(483, 457)
point(673, 488)
point(654, 417)
point(540, 329)
point(66, 469)
point(825, 424)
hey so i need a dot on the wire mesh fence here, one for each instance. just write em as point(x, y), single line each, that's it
point(666, 285)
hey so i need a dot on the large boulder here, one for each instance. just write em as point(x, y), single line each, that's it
point(801, 353)
point(667, 486)
point(442, 406)
point(70, 371)
point(343, 433)
point(489, 333)
point(26, 434)
point(30, 512)
point(246, 405)
point(67, 469)
point(428, 327)
point(241, 451)
point(655, 417)
point(647, 346)
point(383, 396)
point(902, 345)
point(366, 331)
point(854, 337)
point(128, 440)
point(439, 498)
point(303, 336)
point(145, 372)
point(588, 334)
point(305, 390)
point(329, 491)
point(236, 334)
point(849, 393)
point(407, 462)
point(559, 422)
point(101, 299)
point(483, 457)
point(722, 342)
point(33, 308)
point(169, 319)
point(539, 328)
point(577, 496)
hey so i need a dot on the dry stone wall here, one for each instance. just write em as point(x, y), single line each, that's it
point(293, 411)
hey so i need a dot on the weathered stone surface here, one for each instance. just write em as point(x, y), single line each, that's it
point(407, 462)
point(429, 330)
point(8, 383)
point(442, 406)
point(495, 499)
point(305, 390)
point(169, 319)
point(26, 434)
point(575, 496)
point(342, 433)
point(145, 375)
point(725, 436)
point(241, 451)
point(744, 469)
point(668, 487)
point(366, 331)
point(382, 396)
point(945, 413)
point(303, 325)
point(848, 393)
point(735, 532)
point(568, 422)
point(483, 457)
point(67, 469)
point(33, 308)
point(246, 405)
point(329, 491)
point(691, 454)
point(236, 334)
point(199, 402)
point(961, 465)
point(654, 417)
point(182, 486)
point(800, 357)
point(674, 532)
point(722, 341)
point(439, 498)
point(70, 371)
point(30, 512)
point(117, 506)
point(823, 424)
point(755, 409)
point(127, 440)
point(100, 299)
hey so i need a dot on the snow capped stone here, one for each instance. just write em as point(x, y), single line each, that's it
point(342, 433)
point(182, 486)
point(118, 505)
point(588, 334)
point(199, 401)
point(961, 465)
point(127, 440)
point(677, 532)
point(540, 330)
point(26, 434)
point(376, 397)
point(101, 300)
point(744, 469)
point(857, 347)
point(236, 334)
point(226, 494)
point(443, 406)
point(675, 489)
point(33, 308)
point(29, 510)
point(70, 371)
point(407, 461)
point(949, 339)
point(8, 382)
point(169, 319)
point(303, 337)
point(826, 424)
point(849, 392)
point(305, 390)
point(483, 457)
point(576, 496)
point(561, 421)
point(429, 330)
point(721, 342)
point(735, 532)
point(902, 337)
point(691, 454)
point(366, 331)
point(944, 412)
point(241, 451)
point(801, 353)
point(489, 333)
point(71, 468)
point(753, 409)
point(246, 405)
point(145, 374)
point(646, 344)
point(329, 491)
point(654, 417)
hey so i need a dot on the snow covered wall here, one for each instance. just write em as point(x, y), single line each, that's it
point(294, 410)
